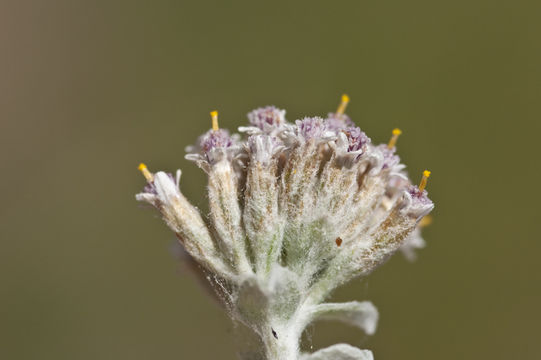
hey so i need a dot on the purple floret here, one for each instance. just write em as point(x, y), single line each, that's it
point(265, 116)
point(357, 139)
point(389, 158)
point(419, 196)
point(215, 139)
point(311, 128)
point(336, 122)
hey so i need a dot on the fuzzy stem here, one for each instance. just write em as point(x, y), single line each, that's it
point(281, 341)
point(274, 339)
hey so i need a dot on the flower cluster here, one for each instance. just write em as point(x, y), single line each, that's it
point(296, 210)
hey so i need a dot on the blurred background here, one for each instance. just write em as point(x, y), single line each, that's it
point(90, 89)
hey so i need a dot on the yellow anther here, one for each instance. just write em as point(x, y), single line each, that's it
point(214, 115)
point(394, 138)
point(425, 221)
point(424, 180)
point(343, 104)
point(147, 174)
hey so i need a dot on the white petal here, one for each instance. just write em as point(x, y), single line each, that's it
point(363, 315)
point(250, 130)
point(340, 352)
point(149, 198)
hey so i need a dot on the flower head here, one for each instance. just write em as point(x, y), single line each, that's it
point(310, 128)
point(416, 198)
point(296, 210)
point(357, 139)
point(214, 145)
point(265, 120)
point(338, 122)
point(307, 130)
point(215, 139)
point(267, 117)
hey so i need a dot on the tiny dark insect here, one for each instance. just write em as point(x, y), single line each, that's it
point(338, 241)
point(274, 334)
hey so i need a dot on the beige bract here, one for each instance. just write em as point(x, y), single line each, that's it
point(296, 210)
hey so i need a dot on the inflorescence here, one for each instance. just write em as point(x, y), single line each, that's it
point(296, 210)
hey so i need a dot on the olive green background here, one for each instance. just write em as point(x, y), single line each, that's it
point(90, 89)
